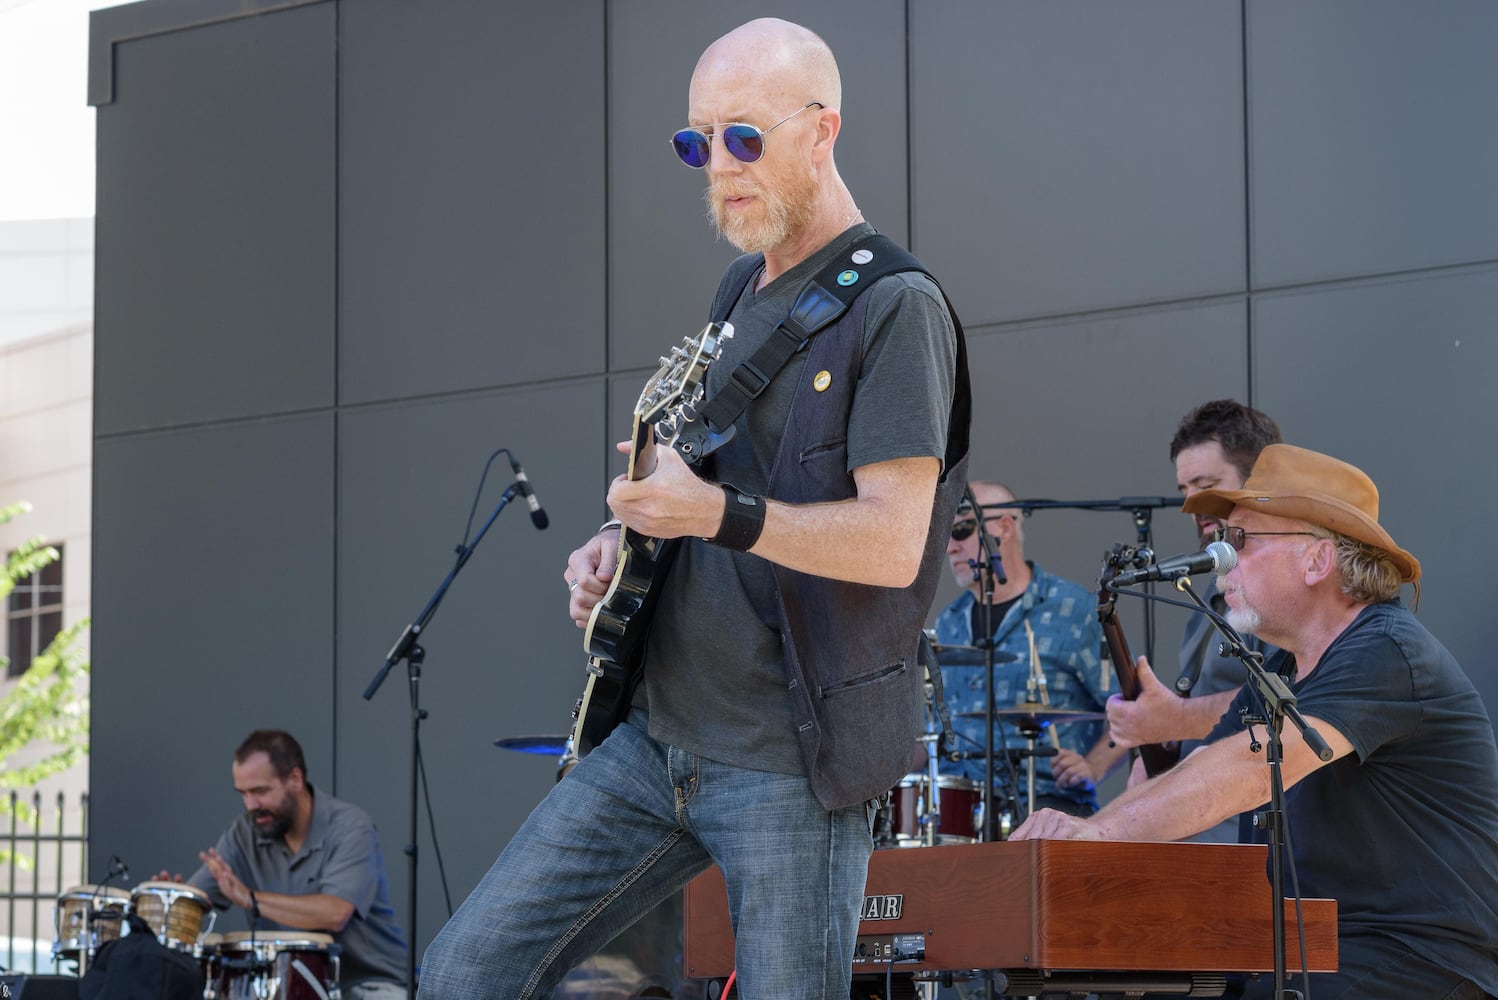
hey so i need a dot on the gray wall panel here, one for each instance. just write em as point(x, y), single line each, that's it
point(471, 184)
point(503, 659)
point(1053, 419)
point(1075, 156)
point(1397, 378)
point(212, 607)
point(214, 291)
point(1375, 136)
point(664, 263)
point(1064, 157)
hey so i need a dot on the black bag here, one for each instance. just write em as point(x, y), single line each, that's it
point(139, 967)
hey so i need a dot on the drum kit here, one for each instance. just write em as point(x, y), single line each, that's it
point(927, 808)
point(244, 965)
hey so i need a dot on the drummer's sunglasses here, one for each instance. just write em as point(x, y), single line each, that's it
point(963, 530)
point(744, 143)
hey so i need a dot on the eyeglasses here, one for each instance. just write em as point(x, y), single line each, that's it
point(963, 530)
point(744, 142)
point(1238, 538)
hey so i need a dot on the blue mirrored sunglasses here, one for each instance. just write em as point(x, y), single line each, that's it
point(744, 143)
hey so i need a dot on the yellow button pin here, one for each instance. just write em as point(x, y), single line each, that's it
point(822, 381)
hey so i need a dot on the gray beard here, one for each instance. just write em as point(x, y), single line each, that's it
point(1245, 619)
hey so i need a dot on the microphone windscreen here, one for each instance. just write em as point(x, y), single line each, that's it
point(1224, 557)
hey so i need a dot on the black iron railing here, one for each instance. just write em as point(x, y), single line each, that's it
point(40, 864)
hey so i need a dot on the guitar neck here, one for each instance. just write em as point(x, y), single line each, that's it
point(1156, 758)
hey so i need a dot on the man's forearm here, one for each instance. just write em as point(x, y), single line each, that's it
point(315, 912)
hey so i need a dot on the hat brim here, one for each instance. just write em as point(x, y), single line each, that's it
point(1319, 509)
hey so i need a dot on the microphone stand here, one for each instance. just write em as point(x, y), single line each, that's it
point(409, 649)
point(1280, 704)
point(96, 913)
point(986, 568)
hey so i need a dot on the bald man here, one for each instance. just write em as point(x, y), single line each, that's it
point(1048, 649)
point(779, 690)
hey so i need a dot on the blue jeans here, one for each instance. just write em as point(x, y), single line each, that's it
point(629, 826)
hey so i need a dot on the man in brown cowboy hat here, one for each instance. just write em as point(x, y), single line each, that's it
point(1401, 825)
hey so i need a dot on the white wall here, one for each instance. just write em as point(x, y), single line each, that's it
point(46, 418)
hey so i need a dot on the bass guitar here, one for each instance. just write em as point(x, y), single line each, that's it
point(614, 639)
point(1157, 757)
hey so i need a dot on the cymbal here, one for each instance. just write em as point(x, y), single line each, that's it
point(550, 746)
point(1036, 713)
point(968, 656)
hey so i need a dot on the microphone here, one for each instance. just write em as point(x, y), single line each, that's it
point(538, 516)
point(117, 867)
point(996, 565)
point(1219, 557)
point(998, 570)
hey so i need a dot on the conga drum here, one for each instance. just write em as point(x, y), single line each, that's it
point(86, 917)
point(178, 914)
point(277, 965)
point(207, 956)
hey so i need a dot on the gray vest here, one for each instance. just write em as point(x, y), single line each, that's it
point(851, 649)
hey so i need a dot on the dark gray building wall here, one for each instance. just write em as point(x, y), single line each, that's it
point(346, 250)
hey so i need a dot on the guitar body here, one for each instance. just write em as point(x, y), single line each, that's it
point(615, 637)
point(1157, 758)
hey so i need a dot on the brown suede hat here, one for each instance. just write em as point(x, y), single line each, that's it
point(1304, 485)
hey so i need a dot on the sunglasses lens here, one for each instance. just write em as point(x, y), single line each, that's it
point(963, 530)
point(745, 142)
point(692, 146)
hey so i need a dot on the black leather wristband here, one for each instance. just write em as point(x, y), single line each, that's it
point(743, 520)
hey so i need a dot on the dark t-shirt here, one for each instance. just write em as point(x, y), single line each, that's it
point(714, 679)
point(1403, 832)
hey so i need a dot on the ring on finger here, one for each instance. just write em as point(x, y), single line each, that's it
point(572, 585)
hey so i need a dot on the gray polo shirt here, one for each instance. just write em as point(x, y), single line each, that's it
point(342, 858)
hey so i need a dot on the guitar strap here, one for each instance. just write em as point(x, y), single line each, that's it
point(823, 299)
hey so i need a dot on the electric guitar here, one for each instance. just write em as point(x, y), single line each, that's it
point(616, 628)
point(1157, 757)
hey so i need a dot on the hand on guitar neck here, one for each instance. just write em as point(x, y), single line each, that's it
point(668, 499)
point(1155, 715)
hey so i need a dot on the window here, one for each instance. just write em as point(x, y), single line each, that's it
point(34, 615)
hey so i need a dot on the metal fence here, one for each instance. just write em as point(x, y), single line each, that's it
point(41, 863)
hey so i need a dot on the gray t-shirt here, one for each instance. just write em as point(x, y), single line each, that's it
point(715, 680)
point(342, 858)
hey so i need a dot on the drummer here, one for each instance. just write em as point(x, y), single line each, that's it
point(1047, 649)
point(301, 860)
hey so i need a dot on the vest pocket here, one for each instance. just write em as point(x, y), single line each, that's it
point(824, 449)
point(863, 680)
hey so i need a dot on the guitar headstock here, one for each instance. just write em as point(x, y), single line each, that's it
point(677, 388)
point(1115, 561)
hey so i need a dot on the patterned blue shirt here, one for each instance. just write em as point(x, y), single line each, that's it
point(1068, 640)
